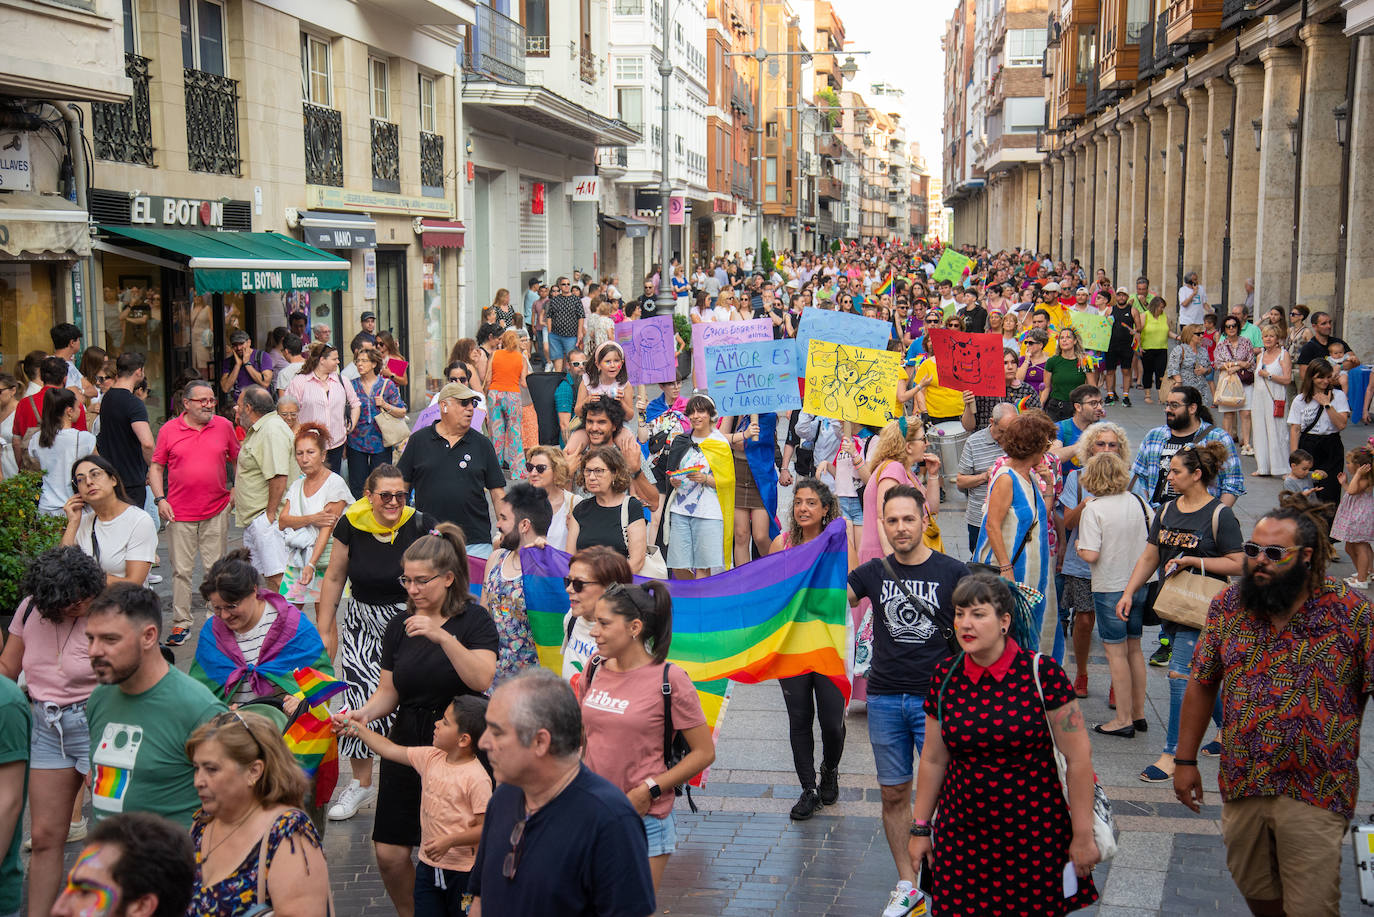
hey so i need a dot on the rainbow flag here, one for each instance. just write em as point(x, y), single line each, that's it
point(885, 287)
point(316, 687)
point(109, 782)
point(310, 737)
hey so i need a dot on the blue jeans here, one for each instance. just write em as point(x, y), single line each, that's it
point(897, 732)
point(1181, 661)
point(435, 900)
point(1060, 624)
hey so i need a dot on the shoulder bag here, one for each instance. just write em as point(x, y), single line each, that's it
point(1104, 826)
point(394, 429)
point(1185, 596)
point(922, 608)
point(655, 567)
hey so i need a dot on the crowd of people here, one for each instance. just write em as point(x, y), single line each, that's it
point(358, 526)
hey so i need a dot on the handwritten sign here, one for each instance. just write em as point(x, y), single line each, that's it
point(753, 378)
point(649, 352)
point(839, 328)
point(714, 334)
point(969, 362)
point(951, 267)
point(1094, 329)
point(852, 383)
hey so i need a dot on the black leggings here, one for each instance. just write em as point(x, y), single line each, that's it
point(1152, 363)
point(805, 696)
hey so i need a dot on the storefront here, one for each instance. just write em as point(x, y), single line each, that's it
point(352, 236)
point(42, 236)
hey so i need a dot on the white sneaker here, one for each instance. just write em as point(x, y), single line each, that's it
point(354, 797)
point(1356, 583)
point(904, 901)
point(153, 579)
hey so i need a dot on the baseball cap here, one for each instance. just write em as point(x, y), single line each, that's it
point(1051, 287)
point(367, 315)
point(1123, 290)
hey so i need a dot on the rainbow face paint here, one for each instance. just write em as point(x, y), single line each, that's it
point(86, 892)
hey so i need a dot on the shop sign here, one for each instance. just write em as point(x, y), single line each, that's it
point(677, 207)
point(152, 210)
point(339, 237)
point(326, 197)
point(228, 280)
point(720, 206)
point(586, 188)
point(14, 161)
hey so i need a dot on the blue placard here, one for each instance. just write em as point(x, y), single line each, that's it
point(839, 328)
point(756, 378)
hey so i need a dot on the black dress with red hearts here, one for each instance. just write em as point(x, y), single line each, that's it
point(1002, 828)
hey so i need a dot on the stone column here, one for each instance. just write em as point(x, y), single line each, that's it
point(1195, 188)
point(1134, 210)
point(1328, 58)
point(1154, 206)
point(1082, 203)
point(1102, 214)
point(1245, 180)
point(1274, 232)
point(1056, 212)
point(1356, 325)
point(1217, 117)
point(1071, 172)
point(1174, 202)
point(1111, 205)
point(1042, 207)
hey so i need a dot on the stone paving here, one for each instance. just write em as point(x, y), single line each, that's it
point(742, 856)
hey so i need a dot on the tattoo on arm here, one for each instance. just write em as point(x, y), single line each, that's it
point(1070, 717)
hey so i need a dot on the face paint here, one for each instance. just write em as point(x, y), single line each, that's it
point(99, 900)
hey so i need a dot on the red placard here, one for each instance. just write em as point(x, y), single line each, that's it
point(969, 362)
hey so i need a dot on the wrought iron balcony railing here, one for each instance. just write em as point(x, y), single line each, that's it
point(323, 145)
point(431, 160)
point(587, 65)
point(495, 48)
point(212, 124)
point(123, 132)
point(386, 156)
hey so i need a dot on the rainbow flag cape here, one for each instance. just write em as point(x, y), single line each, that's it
point(291, 643)
point(310, 736)
point(885, 287)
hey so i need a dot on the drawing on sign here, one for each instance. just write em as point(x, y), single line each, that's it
point(839, 328)
point(1093, 329)
point(753, 378)
point(650, 356)
point(852, 383)
point(969, 362)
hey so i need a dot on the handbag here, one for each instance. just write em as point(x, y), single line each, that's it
point(1230, 391)
point(1185, 596)
point(1280, 404)
point(1104, 826)
point(394, 430)
point(1247, 377)
point(655, 567)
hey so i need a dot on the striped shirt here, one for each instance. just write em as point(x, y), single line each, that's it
point(980, 451)
point(250, 644)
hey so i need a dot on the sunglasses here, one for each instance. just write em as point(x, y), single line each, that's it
point(462, 379)
point(228, 717)
point(577, 585)
point(577, 362)
point(468, 402)
point(532, 468)
point(1272, 552)
point(392, 497)
point(512, 861)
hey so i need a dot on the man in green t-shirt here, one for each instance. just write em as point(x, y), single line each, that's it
point(141, 713)
point(16, 724)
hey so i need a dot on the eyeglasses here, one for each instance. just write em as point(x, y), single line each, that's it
point(207, 401)
point(385, 497)
point(512, 861)
point(408, 581)
point(588, 471)
point(532, 468)
point(577, 585)
point(1272, 552)
point(225, 609)
point(228, 717)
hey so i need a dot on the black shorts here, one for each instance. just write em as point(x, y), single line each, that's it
point(1118, 357)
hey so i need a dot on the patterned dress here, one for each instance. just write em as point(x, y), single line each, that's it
point(237, 893)
point(506, 605)
point(1003, 831)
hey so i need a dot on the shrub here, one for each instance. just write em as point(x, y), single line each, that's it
point(24, 532)
point(683, 326)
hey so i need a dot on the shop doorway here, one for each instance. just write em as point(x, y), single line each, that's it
point(391, 297)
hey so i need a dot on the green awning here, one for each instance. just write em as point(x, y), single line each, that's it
point(244, 262)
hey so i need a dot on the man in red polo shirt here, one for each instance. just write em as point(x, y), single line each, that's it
point(194, 452)
point(52, 372)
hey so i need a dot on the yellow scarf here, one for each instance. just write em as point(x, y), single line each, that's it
point(362, 519)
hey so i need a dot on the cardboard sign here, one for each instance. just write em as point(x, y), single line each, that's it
point(753, 378)
point(969, 362)
point(839, 328)
point(852, 383)
point(951, 267)
point(714, 334)
point(1094, 329)
point(650, 355)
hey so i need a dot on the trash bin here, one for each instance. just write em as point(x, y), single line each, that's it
point(948, 438)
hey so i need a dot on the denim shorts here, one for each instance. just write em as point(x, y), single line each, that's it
point(1111, 628)
point(662, 834)
point(852, 508)
point(560, 346)
point(61, 738)
point(695, 544)
point(897, 731)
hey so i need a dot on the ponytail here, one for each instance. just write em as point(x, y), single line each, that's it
point(55, 404)
point(445, 550)
point(651, 605)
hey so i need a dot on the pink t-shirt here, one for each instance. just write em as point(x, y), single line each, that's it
point(56, 666)
point(196, 462)
point(870, 546)
point(622, 713)
point(451, 798)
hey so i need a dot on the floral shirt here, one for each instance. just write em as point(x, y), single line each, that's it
point(1293, 697)
point(237, 893)
point(366, 437)
point(506, 605)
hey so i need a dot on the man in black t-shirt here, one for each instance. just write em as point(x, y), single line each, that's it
point(565, 321)
point(1322, 338)
point(125, 438)
point(909, 640)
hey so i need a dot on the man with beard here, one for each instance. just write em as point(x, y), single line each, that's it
point(1291, 652)
point(142, 712)
point(135, 865)
point(523, 515)
point(603, 424)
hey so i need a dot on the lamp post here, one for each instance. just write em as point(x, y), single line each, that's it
point(667, 299)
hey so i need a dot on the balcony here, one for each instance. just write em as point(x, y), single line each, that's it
point(386, 156)
point(323, 145)
point(1191, 21)
point(612, 161)
point(212, 125)
point(997, 34)
point(829, 188)
point(739, 98)
point(997, 89)
point(1272, 7)
point(628, 7)
point(123, 132)
point(829, 145)
point(587, 65)
point(431, 163)
point(1237, 12)
point(494, 49)
point(1145, 56)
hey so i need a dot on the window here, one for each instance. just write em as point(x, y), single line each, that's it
point(378, 77)
point(629, 69)
point(1025, 47)
point(428, 110)
point(1137, 20)
point(130, 28)
point(534, 16)
point(315, 85)
point(1024, 116)
point(202, 36)
point(630, 106)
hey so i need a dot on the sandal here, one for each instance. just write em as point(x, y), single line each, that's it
point(1080, 686)
point(1154, 774)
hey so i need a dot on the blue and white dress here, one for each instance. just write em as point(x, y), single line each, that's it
point(1026, 514)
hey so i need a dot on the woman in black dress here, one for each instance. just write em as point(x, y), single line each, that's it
point(1005, 835)
point(443, 647)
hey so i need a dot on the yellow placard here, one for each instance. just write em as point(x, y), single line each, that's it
point(858, 384)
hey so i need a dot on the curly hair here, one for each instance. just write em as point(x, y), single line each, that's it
point(615, 463)
point(1027, 435)
point(1088, 439)
point(826, 498)
point(60, 578)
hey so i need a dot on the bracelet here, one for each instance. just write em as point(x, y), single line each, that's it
point(1185, 762)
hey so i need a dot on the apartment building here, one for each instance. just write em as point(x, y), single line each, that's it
point(779, 32)
point(730, 82)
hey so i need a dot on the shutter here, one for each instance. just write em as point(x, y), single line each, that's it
point(534, 230)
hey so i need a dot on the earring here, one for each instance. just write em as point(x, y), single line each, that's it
point(1004, 630)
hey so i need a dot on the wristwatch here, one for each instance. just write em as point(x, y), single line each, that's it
point(655, 791)
point(157, 500)
point(921, 829)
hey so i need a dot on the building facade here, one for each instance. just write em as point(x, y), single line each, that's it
point(731, 97)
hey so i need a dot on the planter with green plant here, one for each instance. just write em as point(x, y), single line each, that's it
point(683, 326)
point(24, 533)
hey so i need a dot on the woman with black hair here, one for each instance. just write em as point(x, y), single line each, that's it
point(48, 644)
point(1315, 420)
point(807, 695)
point(627, 689)
point(102, 522)
point(56, 448)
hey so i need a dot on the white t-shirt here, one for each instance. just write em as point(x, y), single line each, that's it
point(693, 499)
point(129, 536)
point(283, 378)
point(1302, 412)
point(1117, 527)
point(56, 461)
point(580, 647)
point(1191, 311)
point(296, 503)
point(558, 525)
point(9, 465)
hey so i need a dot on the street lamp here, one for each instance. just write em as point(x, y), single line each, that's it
point(1341, 113)
point(1226, 142)
point(667, 297)
point(1257, 126)
point(1293, 136)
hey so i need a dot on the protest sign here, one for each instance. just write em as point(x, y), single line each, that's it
point(969, 362)
point(753, 378)
point(951, 267)
point(1094, 329)
point(858, 384)
point(649, 352)
point(839, 328)
point(713, 334)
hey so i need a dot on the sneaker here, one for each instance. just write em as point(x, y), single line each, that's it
point(354, 796)
point(829, 790)
point(1356, 583)
point(153, 579)
point(1126, 400)
point(1110, 399)
point(903, 901)
point(806, 806)
point(178, 636)
point(1161, 655)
